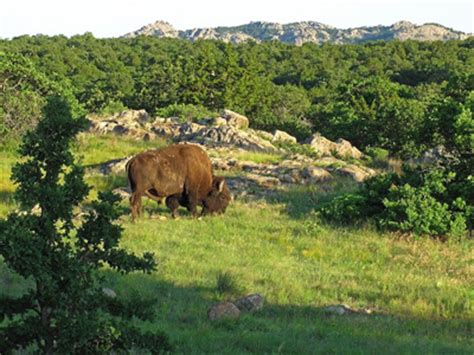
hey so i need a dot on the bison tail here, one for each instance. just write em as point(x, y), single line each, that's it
point(131, 182)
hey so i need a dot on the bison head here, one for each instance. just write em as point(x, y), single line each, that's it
point(218, 198)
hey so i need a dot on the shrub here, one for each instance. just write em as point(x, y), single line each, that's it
point(185, 112)
point(346, 209)
point(417, 211)
point(378, 156)
point(112, 108)
point(418, 202)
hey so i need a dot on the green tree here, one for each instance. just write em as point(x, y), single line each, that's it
point(65, 310)
point(22, 91)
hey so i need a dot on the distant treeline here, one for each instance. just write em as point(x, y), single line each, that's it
point(400, 96)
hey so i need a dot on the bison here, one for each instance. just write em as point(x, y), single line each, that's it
point(181, 174)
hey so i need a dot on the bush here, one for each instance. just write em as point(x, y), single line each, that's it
point(378, 156)
point(112, 108)
point(346, 209)
point(185, 112)
point(416, 211)
point(418, 202)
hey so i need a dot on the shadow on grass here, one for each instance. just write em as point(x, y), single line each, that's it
point(182, 313)
point(299, 201)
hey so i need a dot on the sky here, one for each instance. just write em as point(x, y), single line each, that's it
point(113, 18)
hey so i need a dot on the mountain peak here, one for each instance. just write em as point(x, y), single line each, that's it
point(158, 28)
point(304, 31)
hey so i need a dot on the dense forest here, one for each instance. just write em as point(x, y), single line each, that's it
point(401, 96)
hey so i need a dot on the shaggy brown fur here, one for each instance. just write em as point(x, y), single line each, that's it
point(180, 173)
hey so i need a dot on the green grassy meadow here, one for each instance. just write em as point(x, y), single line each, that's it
point(421, 289)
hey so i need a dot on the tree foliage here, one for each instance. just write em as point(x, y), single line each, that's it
point(65, 310)
point(398, 96)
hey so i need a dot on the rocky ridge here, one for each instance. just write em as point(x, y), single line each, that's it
point(228, 137)
point(305, 31)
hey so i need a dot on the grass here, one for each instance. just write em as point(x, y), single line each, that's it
point(421, 289)
point(94, 149)
point(8, 156)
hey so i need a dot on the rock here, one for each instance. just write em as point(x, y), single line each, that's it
point(250, 303)
point(340, 309)
point(114, 166)
point(299, 33)
point(316, 174)
point(264, 181)
point(123, 192)
point(249, 166)
point(346, 149)
point(330, 161)
point(281, 136)
point(140, 116)
point(189, 129)
point(166, 130)
point(159, 121)
point(357, 173)
point(236, 120)
point(344, 309)
point(321, 145)
point(148, 136)
point(434, 156)
point(220, 164)
point(109, 292)
point(290, 163)
point(326, 147)
point(230, 136)
point(223, 310)
point(218, 121)
point(101, 127)
point(287, 178)
point(265, 135)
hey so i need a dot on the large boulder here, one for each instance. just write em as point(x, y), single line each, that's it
point(316, 174)
point(346, 149)
point(140, 116)
point(433, 157)
point(230, 136)
point(326, 147)
point(235, 119)
point(357, 173)
point(281, 136)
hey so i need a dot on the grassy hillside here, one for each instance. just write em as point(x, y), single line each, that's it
point(421, 290)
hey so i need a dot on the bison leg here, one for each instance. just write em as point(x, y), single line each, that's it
point(192, 203)
point(172, 202)
point(136, 203)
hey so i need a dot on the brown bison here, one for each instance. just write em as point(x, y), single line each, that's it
point(182, 174)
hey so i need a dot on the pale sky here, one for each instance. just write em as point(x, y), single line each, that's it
point(113, 18)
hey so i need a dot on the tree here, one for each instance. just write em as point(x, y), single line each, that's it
point(65, 310)
point(22, 92)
